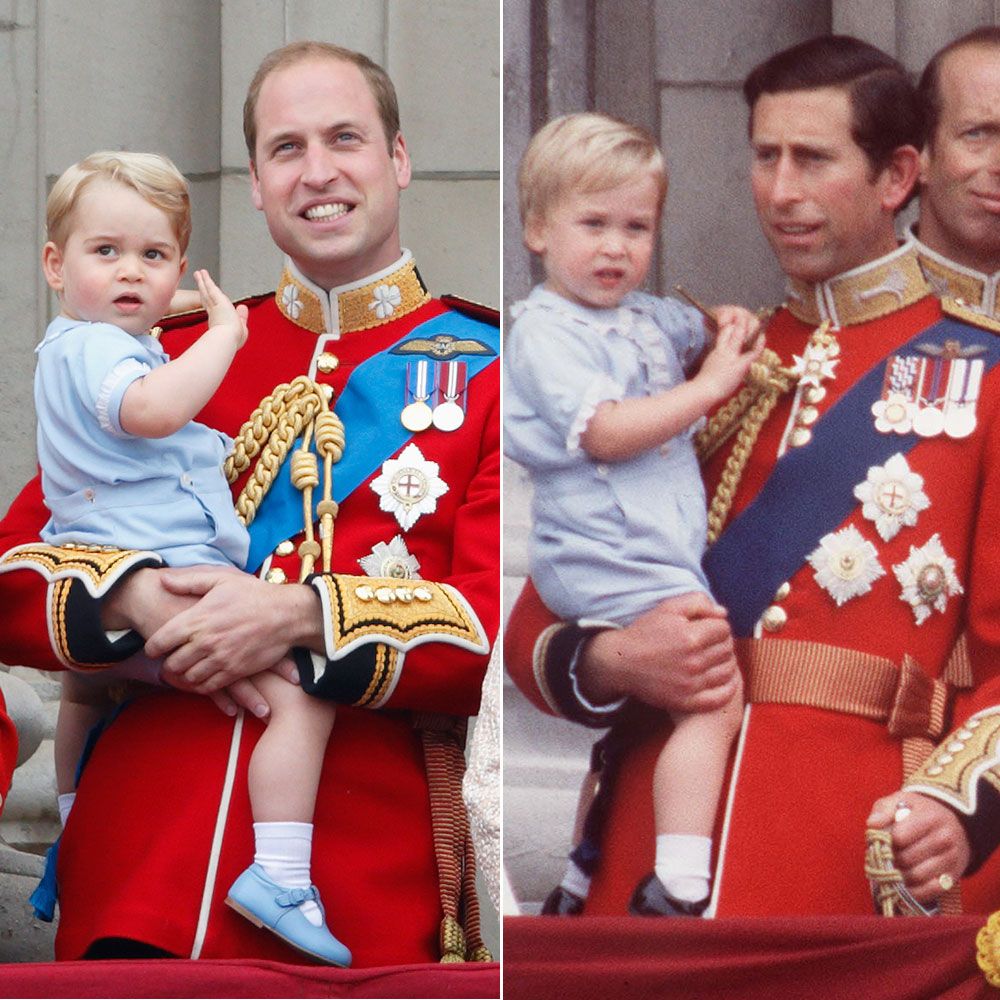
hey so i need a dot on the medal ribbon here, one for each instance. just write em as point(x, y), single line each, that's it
point(372, 427)
point(810, 491)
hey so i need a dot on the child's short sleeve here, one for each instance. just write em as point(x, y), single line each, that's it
point(95, 363)
point(557, 372)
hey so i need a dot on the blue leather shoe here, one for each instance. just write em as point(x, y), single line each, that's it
point(275, 907)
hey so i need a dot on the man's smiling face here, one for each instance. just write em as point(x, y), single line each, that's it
point(325, 175)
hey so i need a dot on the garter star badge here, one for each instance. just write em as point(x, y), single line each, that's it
point(846, 564)
point(409, 486)
point(391, 560)
point(928, 579)
point(892, 495)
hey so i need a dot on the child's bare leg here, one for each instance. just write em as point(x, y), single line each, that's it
point(286, 763)
point(687, 781)
point(82, 704)
point(283, 781)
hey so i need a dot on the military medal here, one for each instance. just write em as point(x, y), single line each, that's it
point(895, 411)
point(846, 564)
point(963, 393)
point(409, 486)
point(449, 414)
point(928, 579)
point(892, 496)
point(417, 414)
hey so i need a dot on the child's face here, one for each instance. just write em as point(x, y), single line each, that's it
point(121, 262)
point(596, 245)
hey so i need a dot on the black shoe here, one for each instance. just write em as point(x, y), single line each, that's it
point(562, 903)
point(650, 899)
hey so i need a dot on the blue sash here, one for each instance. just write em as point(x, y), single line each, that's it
point(369, 405)
point(811, 489)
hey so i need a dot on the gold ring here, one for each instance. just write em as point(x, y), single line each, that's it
point(946, 882)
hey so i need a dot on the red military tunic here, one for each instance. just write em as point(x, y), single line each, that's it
point(162, 824)
point(791, 824)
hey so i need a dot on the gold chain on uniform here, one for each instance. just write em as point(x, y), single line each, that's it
point(294, 408)
point(767, 381)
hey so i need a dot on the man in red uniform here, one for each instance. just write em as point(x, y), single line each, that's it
point(161, 825)
point(852, 520)
point(958, 233)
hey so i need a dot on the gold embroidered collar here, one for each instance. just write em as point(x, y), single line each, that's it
point(862, 294)
point(947, 278)
point(361, 305)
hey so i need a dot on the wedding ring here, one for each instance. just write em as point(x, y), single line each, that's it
point(946, 882)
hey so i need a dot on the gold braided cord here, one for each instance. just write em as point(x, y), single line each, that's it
point(767, 381)
point(294, 408)
point(766, 375)
point(889, 892)
point(732, 473)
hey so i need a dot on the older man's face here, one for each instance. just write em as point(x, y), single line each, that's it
point(960, 166)
point(819, 205)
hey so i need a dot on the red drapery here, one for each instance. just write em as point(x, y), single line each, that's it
point(822, 958)
point(177, 978)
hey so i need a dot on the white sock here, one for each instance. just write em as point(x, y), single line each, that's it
point(65, 802)
point(682, 865)
point(575, 881)
point(284, 851)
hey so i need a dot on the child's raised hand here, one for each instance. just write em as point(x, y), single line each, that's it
point(746, 322)
point(737, 345)
point(221, 311)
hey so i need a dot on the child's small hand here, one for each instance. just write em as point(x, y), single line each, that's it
point(727, 364)
point(745, 321)
point(221, 311)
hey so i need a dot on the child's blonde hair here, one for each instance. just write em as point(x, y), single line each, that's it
point(153, 176)
point(586, 151)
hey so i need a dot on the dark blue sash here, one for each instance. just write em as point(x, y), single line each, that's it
point(369, 405)
point(810, 491)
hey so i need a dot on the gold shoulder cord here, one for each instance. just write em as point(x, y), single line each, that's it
point(294, 408)
point(744, 415)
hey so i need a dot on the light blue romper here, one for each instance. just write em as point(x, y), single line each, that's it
point(104, 486)
point(609, 540)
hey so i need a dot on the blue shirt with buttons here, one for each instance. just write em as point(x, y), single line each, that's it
point(104, 486)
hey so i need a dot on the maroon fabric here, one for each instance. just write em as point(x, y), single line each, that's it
point(822, 958)
point(183, 978)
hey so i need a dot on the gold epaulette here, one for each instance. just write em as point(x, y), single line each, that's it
point(359, 610)
point(98, 566)
point(959, 310)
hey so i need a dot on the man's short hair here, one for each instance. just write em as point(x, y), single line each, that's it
point(929, 88)
point(153, 176)
point(288, 55)
point(885, 113)
point(586, 151)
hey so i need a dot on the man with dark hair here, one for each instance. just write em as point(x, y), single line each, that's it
point(848, 544)
point(387, 609)
point(958, 231)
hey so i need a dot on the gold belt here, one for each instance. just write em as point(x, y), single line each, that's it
point(794, 672)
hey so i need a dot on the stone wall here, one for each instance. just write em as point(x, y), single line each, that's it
point(675, 67)
point(170, 76)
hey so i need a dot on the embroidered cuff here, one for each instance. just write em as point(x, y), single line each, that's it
point(80, 577)
point(364, 678)
point(965, 762)
point(557, 655)
point(113, 388)
point(370, 622)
